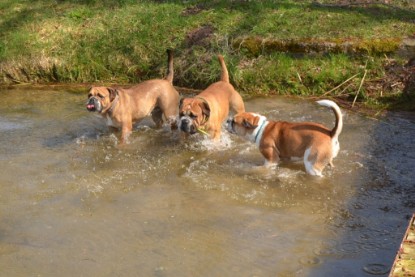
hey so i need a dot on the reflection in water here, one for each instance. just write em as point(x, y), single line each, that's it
point(73, 201)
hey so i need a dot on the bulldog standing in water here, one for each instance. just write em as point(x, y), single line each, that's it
point(206, 111)
point(280, 140)
point(123, 107)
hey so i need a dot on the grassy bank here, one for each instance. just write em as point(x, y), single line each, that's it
point(124, 41)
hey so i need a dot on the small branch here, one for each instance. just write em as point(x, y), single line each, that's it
point(301, 81)
point(361, 84)
point(299, 78)
point(341, 92)
point(333, 89)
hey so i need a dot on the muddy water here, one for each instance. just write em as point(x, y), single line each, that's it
point(73, 203)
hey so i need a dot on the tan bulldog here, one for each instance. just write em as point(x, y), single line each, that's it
point(206, 111)
point(123, 107)
point(280, 140)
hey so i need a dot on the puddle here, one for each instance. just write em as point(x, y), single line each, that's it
point(72, 201)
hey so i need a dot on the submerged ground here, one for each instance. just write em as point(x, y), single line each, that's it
point(73, 203)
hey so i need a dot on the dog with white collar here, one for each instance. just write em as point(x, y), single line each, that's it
point(281, 140)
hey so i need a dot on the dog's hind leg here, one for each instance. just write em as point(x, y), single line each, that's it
point(171, 118)
point(236, 103)
point(312, 167)
point(157, 116)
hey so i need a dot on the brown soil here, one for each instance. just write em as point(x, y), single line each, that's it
point(200, 36)
point(257, 45)
point(397, 77)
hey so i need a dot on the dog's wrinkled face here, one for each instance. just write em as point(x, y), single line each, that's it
point(99, 98)
point(243, 124)
point(193, 114)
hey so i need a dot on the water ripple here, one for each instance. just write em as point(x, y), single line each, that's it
point(376, 269)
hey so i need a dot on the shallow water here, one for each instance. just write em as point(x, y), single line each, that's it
point(73, 203)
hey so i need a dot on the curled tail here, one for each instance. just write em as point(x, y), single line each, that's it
point(339, 118)
point(170, 73)
point(225, 75)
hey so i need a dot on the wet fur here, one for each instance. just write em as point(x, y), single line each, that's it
point(123, 107)
point(281, 140)
point(211, 107)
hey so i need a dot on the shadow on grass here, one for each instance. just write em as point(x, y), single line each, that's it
point(378, 12)
point(401, 102)
point(108, 42)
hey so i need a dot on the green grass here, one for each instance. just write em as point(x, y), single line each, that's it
point(282, 74)
point(124, 41)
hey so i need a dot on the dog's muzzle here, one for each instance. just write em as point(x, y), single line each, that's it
point(93, 105)
point(230, 123)
point(187, 126)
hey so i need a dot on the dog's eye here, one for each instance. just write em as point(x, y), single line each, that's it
point(101, 96)
point(89, 95)
point(192, 115)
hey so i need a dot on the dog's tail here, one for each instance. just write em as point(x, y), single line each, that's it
point(339, 118)
point(225, 75)
point(170, 73)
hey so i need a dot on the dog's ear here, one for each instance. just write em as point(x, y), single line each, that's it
point(113, 93)
point(249, 125)
point(205, 109)
point(255, 122)
point(89, 92)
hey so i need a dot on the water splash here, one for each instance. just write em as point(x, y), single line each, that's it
point(95, 189)
point(201, 142)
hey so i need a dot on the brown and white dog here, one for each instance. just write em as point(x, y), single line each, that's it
point(123, 107)
point(280, 140)
point(208, 110)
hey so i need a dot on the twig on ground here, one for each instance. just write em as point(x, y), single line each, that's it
point(360, 86)
point(299, 78)
point(349, 85)
point(333, 89)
